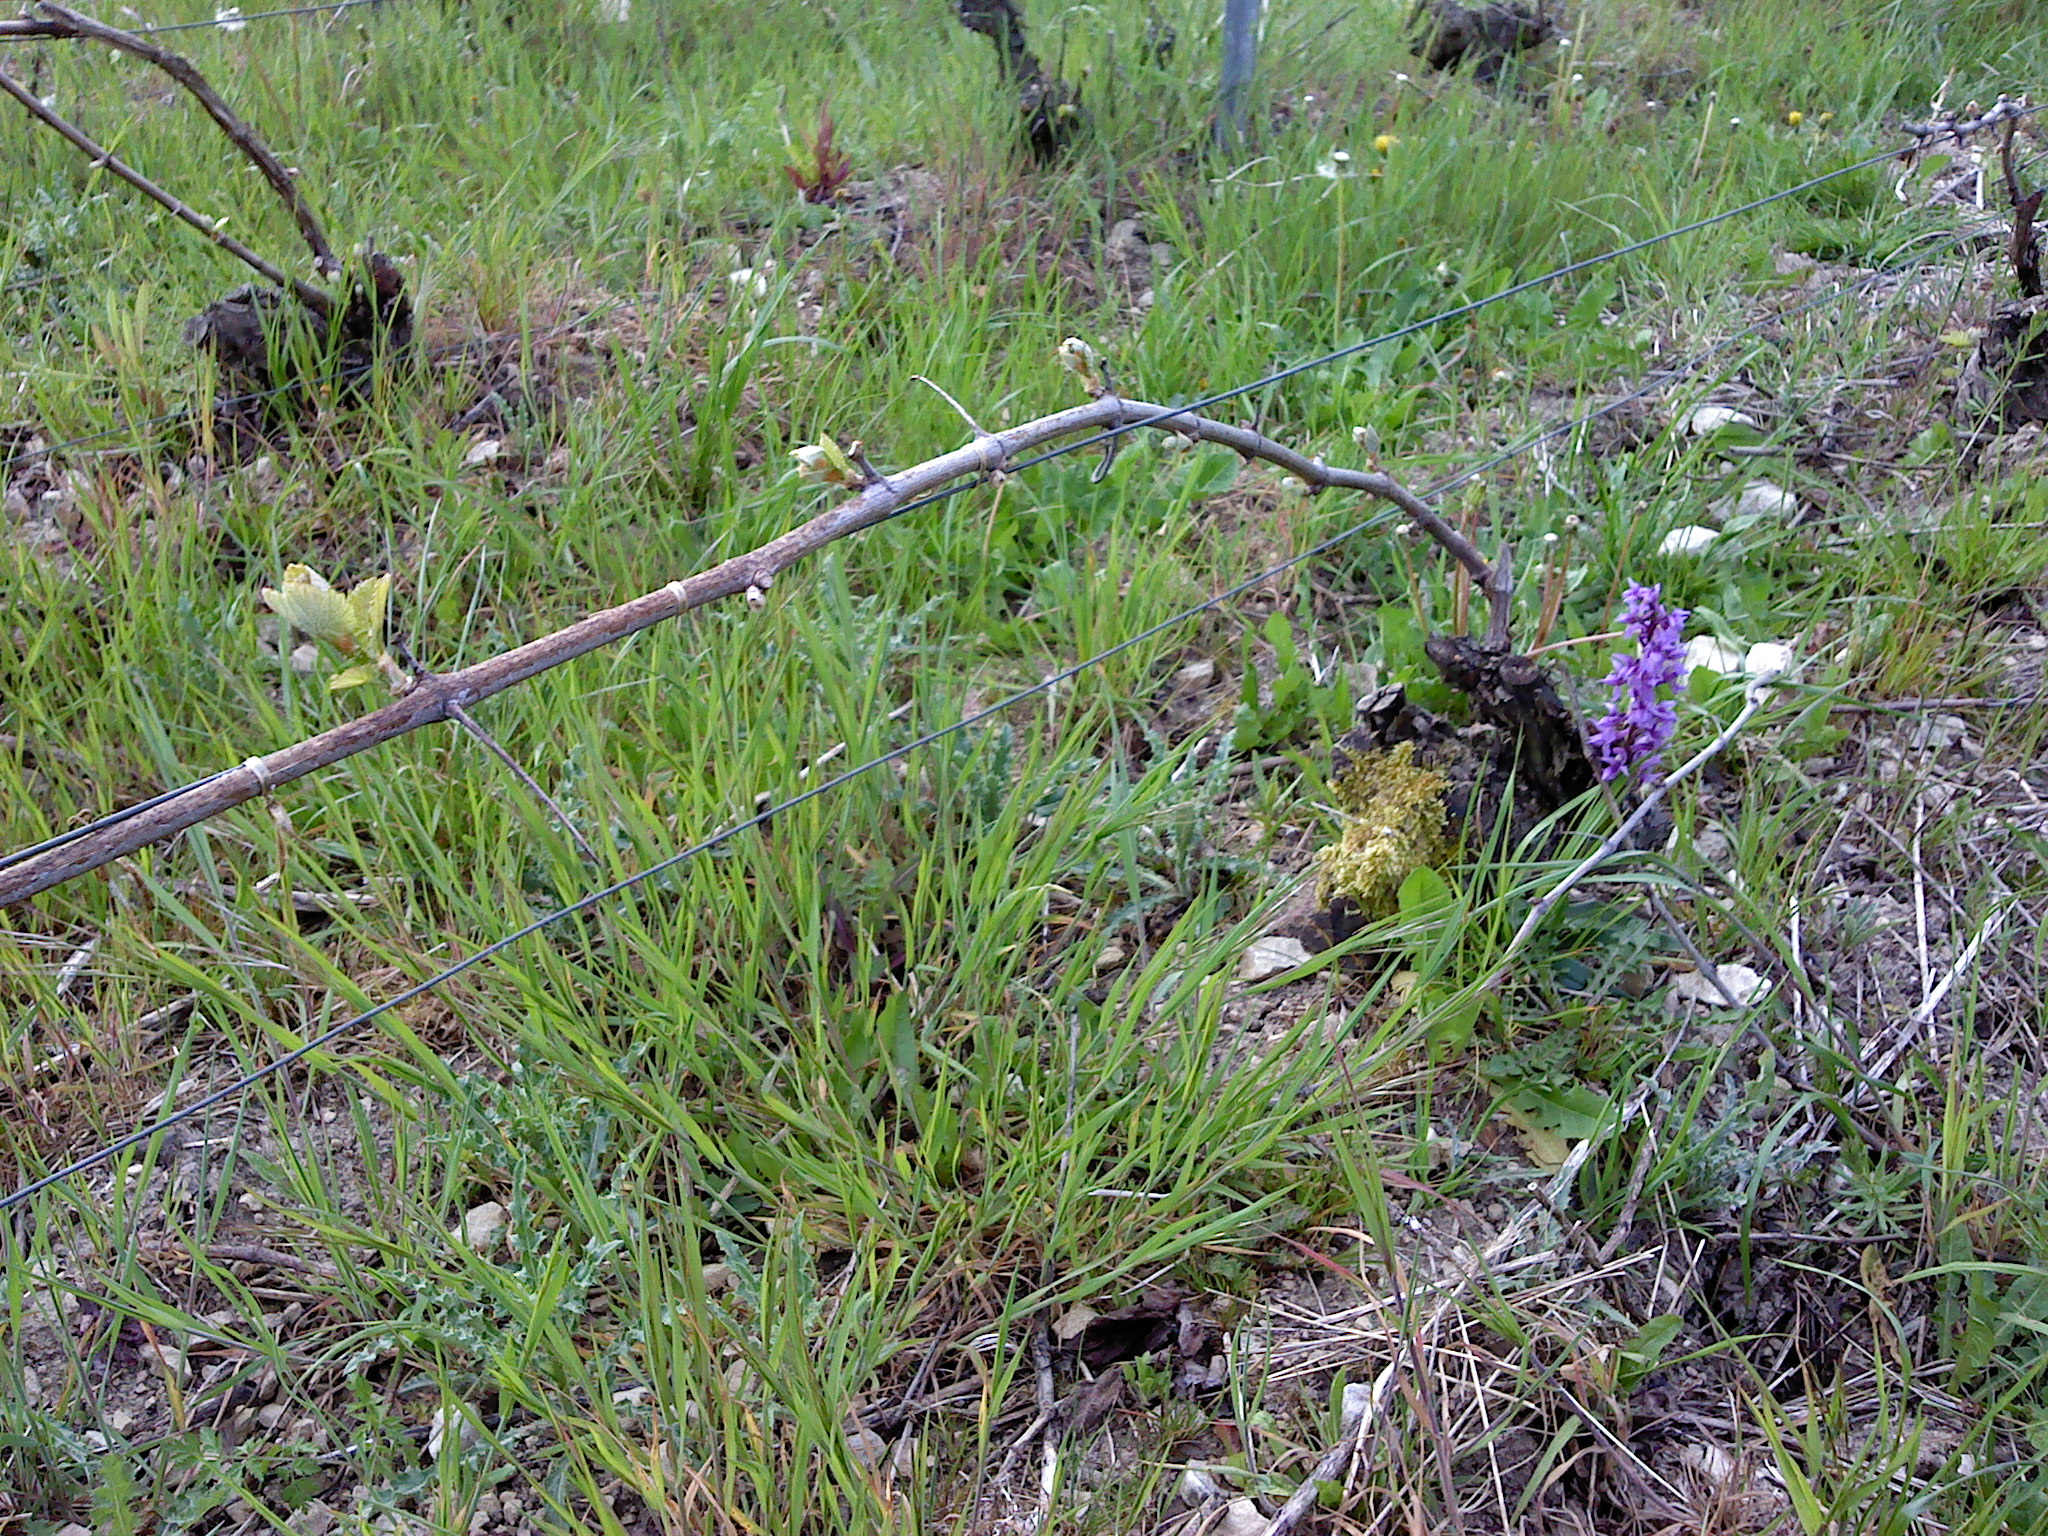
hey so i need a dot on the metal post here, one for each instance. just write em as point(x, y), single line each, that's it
point(1240, 57)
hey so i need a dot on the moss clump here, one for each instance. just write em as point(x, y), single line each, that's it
point(1393, 825)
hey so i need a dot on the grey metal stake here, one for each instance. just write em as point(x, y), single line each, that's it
point(1240, 57)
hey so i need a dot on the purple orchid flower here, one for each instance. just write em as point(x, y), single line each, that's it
point(1638, 725)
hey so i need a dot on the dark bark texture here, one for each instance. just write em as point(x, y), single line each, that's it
point(250, 335)
point(2005, 383)
point(1483, 38)
point(1049, 107)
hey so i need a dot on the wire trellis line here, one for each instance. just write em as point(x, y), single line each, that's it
point(1458, 312)
point(430, 698)
point(283, 1062)
point(1461, 311)
point(223, 21)
point(1279, 376)
point(227, 23)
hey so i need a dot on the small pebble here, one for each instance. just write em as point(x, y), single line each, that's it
point(1714, 418)
point(1759, 498)
point(483, 1227)
point(1691, 539)
point(1198, 1486)
point(1270, 957)
point(1740, 982)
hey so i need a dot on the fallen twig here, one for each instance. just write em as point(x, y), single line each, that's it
point(257, 1253)
point(1920, 706)
point(1361, 1409)
point(1931, 1002)
point(436, 698)
point(1363, 1406)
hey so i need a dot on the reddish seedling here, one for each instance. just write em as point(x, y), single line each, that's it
point(819, 170)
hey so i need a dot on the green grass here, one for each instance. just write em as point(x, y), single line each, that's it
point(851, 1109)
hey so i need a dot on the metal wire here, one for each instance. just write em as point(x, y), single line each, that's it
point(112, 819)
point(438, 356)
point(1459, 313)
point(23, 284)
point(1281, 375)
point(127, 812)
point(235, 23)
point(227, 23)
point(1323, 360)
point(585, 903)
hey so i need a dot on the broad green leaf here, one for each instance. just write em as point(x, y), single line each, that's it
point(1451, 1017)
point(307, 603)
point(1212, 474)
point(1425, 895)
point(366, 605)
point(826, 463)
point(1642, 1353)
point(1573, 1111)
point(1592, 303)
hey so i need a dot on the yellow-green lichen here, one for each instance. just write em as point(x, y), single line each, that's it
point(1393, 814)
